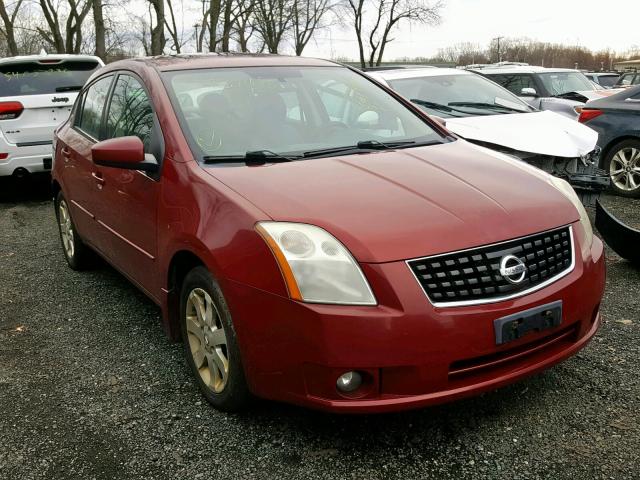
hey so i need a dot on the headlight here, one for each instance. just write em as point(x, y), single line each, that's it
point(570, 193)
point(316, 266)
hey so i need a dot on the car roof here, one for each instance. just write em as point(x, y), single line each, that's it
point(222, 60)
point(46, 57)
point(521, 69)
point(417, 73)
point(604, 74)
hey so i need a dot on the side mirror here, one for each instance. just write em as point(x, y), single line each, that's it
point(528, 92)
point(123, 152)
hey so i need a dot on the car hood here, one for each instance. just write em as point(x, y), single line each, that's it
point(543, 133)
point(388, 206)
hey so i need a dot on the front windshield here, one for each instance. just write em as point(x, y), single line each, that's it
point(288, 111)
point(559, 83)
point(455, 95)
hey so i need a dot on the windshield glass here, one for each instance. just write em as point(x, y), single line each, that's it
point(33, 78)
point(559, 83)
point(287, 110)
point(455, 90)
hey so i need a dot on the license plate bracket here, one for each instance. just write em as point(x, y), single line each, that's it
point(515, 326)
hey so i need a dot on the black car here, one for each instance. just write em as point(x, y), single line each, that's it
point(617, 121)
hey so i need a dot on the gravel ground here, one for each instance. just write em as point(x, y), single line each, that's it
point(91, 388)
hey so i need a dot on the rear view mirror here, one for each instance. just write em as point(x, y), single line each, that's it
point(123, 152)
point(528, 92)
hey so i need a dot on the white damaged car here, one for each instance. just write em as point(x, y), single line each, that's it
point(484, 113)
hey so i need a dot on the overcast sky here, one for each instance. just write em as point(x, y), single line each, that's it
point(590, 23)
point(595, 24)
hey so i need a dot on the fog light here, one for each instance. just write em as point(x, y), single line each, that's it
point(349, 382)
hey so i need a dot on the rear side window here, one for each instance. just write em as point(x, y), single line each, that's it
point(93, 106)
point(130, 112)
point(34, 78)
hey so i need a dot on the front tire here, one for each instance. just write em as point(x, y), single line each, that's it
point(77, 254)
point(210, 343)
point(623, 164)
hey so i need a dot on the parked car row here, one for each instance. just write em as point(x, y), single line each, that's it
point(344, 241)
point(486, 114)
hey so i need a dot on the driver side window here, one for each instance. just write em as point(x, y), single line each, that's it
point(130, 112)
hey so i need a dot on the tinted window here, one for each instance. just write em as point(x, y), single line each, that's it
point(130, 112)
point(94, 101)
point(607, 80)
point(514, 83)
point(33, 78)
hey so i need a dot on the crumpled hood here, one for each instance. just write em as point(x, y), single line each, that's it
point(396, 205)
point(544, 133)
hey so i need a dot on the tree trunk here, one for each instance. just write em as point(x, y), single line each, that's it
point(226, 26)
point(157, 33)
point(214, 18)
point(98, 21)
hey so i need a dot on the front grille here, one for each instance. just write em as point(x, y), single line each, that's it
point(473, 276)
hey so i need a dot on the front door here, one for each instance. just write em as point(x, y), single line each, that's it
point(126, 206)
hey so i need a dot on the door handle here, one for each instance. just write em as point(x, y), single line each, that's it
point(97, 176)
point(66, 154)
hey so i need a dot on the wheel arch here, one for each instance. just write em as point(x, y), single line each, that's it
point(181, 263)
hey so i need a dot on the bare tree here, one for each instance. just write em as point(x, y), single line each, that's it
point(7, 28)
point(173, 29)
point(158, 39)
point(215, 8)
point(306, 19)
point(355, 9)
point(387, 15)
point(243, 23)
point(69, 40)
point(272, 20)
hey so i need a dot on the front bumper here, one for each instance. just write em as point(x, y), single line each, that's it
point(414, 354)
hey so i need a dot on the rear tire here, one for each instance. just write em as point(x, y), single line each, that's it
point(623, 165)
point(78, 255)
point(210, 342)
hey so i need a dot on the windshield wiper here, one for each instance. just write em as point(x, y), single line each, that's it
point(367, 146)
point(438, 106)
point(70, 88)
point(491, 106)
point(254, 157)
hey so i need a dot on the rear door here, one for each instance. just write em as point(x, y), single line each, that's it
point(46, 89)
point(74, 151)
point(127, 202)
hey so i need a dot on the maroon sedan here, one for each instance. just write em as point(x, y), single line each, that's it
point(313, 238)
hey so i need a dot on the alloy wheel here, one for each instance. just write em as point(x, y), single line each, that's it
point(66, 229)
point(625, 169)
point(207, 340)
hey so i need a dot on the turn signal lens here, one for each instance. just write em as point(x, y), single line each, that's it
point(10, 110)
point(589, 114)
